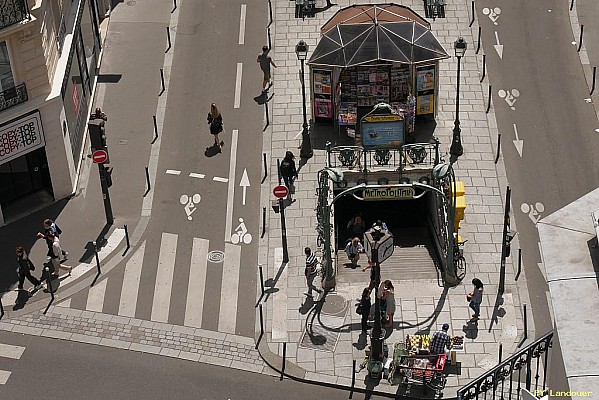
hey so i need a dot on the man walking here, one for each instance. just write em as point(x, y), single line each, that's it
point(310, 271)
point(51, 227)
point(265, 62)
point(24, 268)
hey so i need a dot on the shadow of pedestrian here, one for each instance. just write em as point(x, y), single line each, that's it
point(471, 329)
point(212, 151)
point(306, 305)
point(362, 341)
point(22, 298)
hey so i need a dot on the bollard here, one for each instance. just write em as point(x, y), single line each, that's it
point(168, 39)
point(1, 309)
point(265, 167)
point(283, 231)
point(127, 237)
point(49, 284)
point(174, 6)
point(284, 356)
point(266, 111)
point(269, 13)
point(269, 40)
point(155, 129)
point(519, 264)
point(161, 81)
point(580, 41)
point(594, 78)
point(261, 326)
point(279, 170)
point(473, 15)
point(484, 67)
point(97, 263)
point(261, 279)
point(353, 379)
point(498, 147)
point(571, 5)
point(480, 30)
point(263, 222)
point(489, 101)
point(500, 352)
point(148, 180)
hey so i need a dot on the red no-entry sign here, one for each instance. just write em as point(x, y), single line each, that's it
point(99, 156)
point(280, 191)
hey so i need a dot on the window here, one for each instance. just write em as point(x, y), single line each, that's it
point(6, 78)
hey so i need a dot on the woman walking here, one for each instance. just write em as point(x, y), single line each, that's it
point(56, 254)
point(24, 268)
point(476, 297)
point(215, 120)
point(365, 305)
point(389, 296)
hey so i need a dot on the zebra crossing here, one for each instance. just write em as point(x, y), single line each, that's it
point(183, 286)
point(11, 352)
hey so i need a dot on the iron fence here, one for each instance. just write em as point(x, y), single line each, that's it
point(12, 12)
point(525, 369)
point(13, 96)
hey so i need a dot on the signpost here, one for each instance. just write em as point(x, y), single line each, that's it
point(384, 249)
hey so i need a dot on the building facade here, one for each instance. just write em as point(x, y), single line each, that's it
point(49, 55)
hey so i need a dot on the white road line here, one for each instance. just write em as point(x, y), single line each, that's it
point(230, 287)
point(10, 351)
point(4, 376)
point(194, 175)
point(231, 187)
point(65, 304)
point(173, 172)
point(194, 305)
point(219, 179)
point(242, 25)
point(95, 296)
point(238, 86)
point(130, 287)
point(279, 300)
point(164, 277)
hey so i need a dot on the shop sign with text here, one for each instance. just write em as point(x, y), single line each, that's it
point(21, 136)
point(389, 193)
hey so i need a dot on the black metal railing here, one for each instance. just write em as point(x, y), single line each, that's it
point(526, 369)
point(13, 96)
point(383, 158)
point(12, 12)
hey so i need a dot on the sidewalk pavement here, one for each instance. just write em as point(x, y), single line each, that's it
point(422, 306)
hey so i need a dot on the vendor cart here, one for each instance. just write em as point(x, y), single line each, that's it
point(425, 370)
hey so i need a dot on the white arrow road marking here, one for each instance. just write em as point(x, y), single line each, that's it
point(245, 182)
point(498, 46)
point(518, 142)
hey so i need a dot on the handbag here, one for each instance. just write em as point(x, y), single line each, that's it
point(469, 297)
point(359, 309)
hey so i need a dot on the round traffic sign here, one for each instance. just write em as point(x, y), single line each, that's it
point(99, 156)
point(280, 191)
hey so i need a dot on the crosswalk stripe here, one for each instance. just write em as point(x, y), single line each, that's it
point(230, 287)
point(197, 281)
point(130, 287)
point(279, 300)
point(10, 351)
point(95, 297)
point(4, 376)
point(164, 277)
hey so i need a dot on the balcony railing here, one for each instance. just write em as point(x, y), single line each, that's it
point(13, 96)
point(12, 12)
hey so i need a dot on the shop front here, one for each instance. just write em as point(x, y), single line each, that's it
point(371, 54)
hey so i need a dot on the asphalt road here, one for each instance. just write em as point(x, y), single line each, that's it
point(69, 370)
point(558, 163)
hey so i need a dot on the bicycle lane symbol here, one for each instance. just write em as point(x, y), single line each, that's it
point(492, 13)
point(241, 234)
point(190, 203)
point(533, 210)
point(510, 96)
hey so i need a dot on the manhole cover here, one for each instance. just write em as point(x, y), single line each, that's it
point(216, 256)
point(323, 334)
point(334, 304)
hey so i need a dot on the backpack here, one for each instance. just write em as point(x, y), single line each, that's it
point(286, 168)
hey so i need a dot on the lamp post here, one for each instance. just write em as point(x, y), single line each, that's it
point(456, 148)
point(301, 50)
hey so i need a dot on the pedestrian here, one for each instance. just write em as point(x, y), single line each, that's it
point(371, 266)
point(310, 271)
point(98, 114)
point(55, 257)
point(365, 305)
point(380, 226)
point(265, 62)
point(440, 341)
point(353, 250)
point(475, 298)
point(50, 226)
point(389, 299)
point(356, 226)
point(288, 171)
point(24, 268)
point(215, 120)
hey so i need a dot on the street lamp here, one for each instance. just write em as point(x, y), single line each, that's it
point(301, 50)
point(456, 148)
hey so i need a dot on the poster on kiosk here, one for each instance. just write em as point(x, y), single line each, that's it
point(382, 127)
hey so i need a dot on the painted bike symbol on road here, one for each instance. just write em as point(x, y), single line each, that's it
point(533, 210)
point(190, 203)
point(493, 13)
point(509, 96)
point(241, 234)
